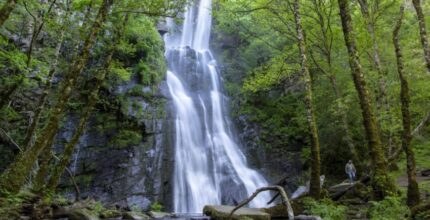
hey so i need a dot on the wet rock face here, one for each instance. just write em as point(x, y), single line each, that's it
point(274, 165)
point(187, 59)
point(133, 176)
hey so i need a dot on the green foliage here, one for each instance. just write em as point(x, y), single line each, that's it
point(122, 74)
point(391, 208)
point(11, 205)
point(156, 207)
point(269, 75)
point(126, 138)
point(97, 208)
point(325, 208)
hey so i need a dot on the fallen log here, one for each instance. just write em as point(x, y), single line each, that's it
point(425, 172)
point(304, 189)
point(337, 195)
point(280, 190)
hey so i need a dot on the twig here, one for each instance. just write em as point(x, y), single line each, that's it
point(425, 121)
point(5, 137)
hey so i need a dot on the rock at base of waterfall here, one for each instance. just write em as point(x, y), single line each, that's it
point(82, 214)
point(307, 217)
point(159, 214)
point(135, 216)
point(221, 212)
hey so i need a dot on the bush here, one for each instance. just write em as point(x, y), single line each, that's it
point(391, 208)
point(325, 208)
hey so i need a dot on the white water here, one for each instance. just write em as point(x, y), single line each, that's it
point(209, 166)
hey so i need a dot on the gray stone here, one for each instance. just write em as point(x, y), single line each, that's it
point(222, 212)
point(82, 214)
point(307, 217)
point(135, 216)
point(159, 214)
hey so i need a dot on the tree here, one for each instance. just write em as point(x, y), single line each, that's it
point(315, 188)
point(5, 11)
point(28, 141)
point(59, 168)
point(381, 183)
point(423, 32)
point(413, 190)
point(324, 11)
point(14, 177)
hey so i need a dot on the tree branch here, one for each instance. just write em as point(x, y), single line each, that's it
point(284, 197)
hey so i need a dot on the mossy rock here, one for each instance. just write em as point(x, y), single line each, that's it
point(82, 214)
point(155, 214)
point(110, 213)
point(222, 212)
point(135, 216)
point(278, 211)
point(298, 206)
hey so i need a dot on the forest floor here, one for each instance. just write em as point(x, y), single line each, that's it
point(422, 157)
point(423, 182)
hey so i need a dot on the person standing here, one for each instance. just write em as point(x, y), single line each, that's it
point(350, 171)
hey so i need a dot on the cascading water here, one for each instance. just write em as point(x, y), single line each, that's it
point(209, 166)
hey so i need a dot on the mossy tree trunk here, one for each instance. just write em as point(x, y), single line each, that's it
point(14, 177)
point(326, 34)
point(28, 141)
point(423, 31)
point(315, 188)
point(381, 183)
point(59, 169)
point(5, 11)
point(382, 104)
point(413, 190)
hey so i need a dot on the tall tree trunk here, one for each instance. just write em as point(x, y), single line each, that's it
point(327, 39)
point(381, 183)
point(315, 188)
point(59, 169)
point(413, 191)
point(28, 141)
point(14, 177)
point(423, 32)
point(381, 94)
point(5, 11)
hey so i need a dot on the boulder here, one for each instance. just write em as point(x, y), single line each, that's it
point(154, 214)
point(135, 216)
point(82, 214)
point(307, 217)
point(222, 212)
point(278, 211)
point(110, 213)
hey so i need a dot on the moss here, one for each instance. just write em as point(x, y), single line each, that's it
point(110, 213)
point(79, 214)
point(85, 179)
point(126, 138)
point(156, 206)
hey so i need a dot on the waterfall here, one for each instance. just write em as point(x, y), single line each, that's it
point(209, 167)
